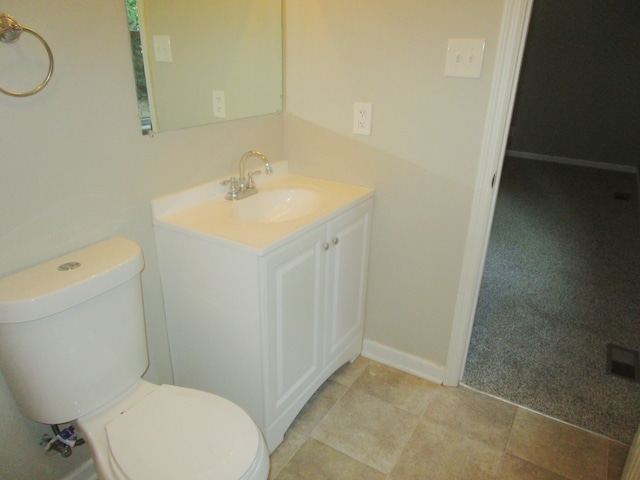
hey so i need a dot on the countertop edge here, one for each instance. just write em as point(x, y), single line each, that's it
point(262, 250)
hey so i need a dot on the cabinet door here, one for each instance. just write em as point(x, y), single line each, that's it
point(346, 284)
point(294, 287)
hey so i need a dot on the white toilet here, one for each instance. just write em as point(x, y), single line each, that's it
point(73, 348)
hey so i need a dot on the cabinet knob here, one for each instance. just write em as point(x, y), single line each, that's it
point(326, 246)
point(335, 240)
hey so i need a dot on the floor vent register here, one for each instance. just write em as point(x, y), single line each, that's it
point(623, 362)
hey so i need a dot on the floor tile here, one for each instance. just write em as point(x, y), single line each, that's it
point(359, 425)
point(317, 407)
point(285, 451)
point(617, 457)
point(316, 461)
point(560, 448)
point(401, 389)
point(514, 468)
point(366, 428)
point(474, 414)
point(435, 452)
point(349, 372)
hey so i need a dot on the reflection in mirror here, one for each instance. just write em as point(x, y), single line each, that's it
point(138, 66)
point(204, 61)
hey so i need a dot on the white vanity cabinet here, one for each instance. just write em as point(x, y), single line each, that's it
point(314, 290)
point(265, 327)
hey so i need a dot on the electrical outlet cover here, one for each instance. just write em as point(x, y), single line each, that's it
point(362, 118)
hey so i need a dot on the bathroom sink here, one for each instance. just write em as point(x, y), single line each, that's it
point(286, 205)
point(277, 205)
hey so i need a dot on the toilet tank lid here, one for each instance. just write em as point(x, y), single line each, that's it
point(63, 282)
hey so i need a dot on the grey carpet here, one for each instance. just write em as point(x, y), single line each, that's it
point(562, 279)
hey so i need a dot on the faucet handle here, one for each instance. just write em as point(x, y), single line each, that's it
point(234, 188)
point(226, 182)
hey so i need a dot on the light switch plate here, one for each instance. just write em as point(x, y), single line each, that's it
point(464, 57)
point(219, 109)
point(162, 48)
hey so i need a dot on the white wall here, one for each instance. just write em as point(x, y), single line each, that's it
point(422, 156)
point(74, 169)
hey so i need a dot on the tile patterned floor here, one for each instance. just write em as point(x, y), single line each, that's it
point(372, 422)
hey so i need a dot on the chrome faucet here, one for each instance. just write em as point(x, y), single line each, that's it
point(243, 161)
point(244, 186)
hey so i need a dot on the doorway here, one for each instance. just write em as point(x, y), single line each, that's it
point(523, 322)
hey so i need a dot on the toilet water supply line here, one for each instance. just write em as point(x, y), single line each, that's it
point(62, 442)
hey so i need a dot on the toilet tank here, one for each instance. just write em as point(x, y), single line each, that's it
point(72, 333)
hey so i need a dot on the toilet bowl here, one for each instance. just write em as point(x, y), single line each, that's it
point(83, 313)
point(168, 432)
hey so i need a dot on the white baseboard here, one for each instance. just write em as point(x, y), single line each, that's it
point(86, 471)
point(403, 361)
point(573, 161)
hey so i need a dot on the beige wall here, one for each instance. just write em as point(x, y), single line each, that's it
point(422, 155)
point(75, 170)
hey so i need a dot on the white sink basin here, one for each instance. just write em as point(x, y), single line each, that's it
point(277, 205)
point(285, 205)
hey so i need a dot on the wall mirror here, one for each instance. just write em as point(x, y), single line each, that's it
point(198, 62)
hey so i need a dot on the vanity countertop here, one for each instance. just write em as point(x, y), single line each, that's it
point(203, 211)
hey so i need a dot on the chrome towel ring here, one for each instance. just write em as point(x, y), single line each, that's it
point(10, 31)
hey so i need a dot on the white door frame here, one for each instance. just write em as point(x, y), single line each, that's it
point(513, 33)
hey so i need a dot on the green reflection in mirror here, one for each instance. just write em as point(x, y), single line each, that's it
point(138, 65)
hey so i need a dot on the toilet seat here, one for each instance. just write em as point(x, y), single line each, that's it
point(176, 432)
